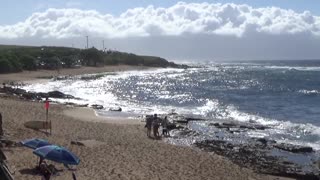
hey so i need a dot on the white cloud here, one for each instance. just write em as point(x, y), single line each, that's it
point(182, 18)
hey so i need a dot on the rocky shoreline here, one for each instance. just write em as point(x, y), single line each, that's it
point(19, 93)
point(259, 154)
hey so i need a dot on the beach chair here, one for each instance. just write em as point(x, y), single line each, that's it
point(5, 173)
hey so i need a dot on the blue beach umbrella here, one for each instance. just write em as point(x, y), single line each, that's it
point(35, 143)
point(57, 154)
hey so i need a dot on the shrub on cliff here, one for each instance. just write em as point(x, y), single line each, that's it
point(5, 66)
point(155, 61)
point(9, 63)
point(69, 61)
point(28, 62)
point(92, 57)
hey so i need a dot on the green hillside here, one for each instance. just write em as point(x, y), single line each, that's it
point(19, 58)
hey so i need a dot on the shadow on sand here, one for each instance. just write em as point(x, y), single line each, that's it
point(29, 171)
point(154, 138)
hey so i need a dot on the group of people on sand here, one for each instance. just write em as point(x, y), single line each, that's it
point(153, 122)
point(47, 171)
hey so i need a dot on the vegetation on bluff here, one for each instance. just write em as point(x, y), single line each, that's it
point(19, 58)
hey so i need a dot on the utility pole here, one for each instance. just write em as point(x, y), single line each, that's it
point(87, 42)
point(103, 45)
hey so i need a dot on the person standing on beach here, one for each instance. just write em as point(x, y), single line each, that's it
point(148, 125)
point(164, 123)
point(156, 125)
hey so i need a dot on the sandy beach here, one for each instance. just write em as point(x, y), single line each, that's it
point(117, 148)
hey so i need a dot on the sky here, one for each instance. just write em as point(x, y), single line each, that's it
point(177, 30)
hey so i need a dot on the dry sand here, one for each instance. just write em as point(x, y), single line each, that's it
point(117, 150)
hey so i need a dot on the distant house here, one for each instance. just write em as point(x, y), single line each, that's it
point(77, 64)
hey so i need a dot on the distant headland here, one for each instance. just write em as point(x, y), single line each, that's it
point(19, 58)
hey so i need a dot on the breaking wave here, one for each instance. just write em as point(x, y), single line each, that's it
point(309, 92)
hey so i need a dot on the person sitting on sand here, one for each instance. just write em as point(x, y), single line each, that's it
point(148, 125)
point(44, 170)
point(156, 125)
point(164, 123)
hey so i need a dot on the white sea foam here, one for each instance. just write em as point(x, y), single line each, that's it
point(309, 92)
point(298, 68)
point(215, 66)
point(283, 131)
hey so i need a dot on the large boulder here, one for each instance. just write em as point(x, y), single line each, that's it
point(119, 109)
point(19, 91)
point(58, 94)
point(97, 106)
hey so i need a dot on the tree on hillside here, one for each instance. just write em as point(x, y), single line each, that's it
point(11, 62)
point(50, 63)
point(5, 66)
point(28, 62)
point(68, 61)
point(92, 57)
point(17, 58)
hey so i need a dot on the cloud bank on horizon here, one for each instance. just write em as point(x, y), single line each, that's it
point(182, 20)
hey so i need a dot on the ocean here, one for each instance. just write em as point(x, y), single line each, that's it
point(284, 95)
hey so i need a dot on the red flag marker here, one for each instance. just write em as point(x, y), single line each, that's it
point(47, 104)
